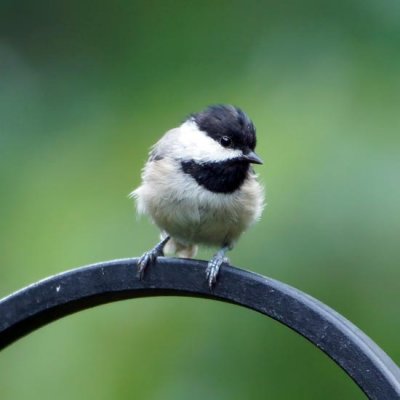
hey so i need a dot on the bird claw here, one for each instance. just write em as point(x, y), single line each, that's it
point(145, 260)
point(150, 257)
point(213, 268)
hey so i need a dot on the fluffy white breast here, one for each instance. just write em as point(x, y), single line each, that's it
point(192, 215)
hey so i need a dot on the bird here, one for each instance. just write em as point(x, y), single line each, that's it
point(199, 188)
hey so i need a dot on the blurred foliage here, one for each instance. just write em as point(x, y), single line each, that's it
point(86, 88)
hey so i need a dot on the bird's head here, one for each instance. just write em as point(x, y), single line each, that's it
point(218, 133)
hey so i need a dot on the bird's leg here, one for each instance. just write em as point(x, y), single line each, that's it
point(214, 264)
point(150, 257)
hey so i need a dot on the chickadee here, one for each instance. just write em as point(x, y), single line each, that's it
point(198, 186)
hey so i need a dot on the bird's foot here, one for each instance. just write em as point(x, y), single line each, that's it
point(214, 265)
point(145, 260)
point(150, 257)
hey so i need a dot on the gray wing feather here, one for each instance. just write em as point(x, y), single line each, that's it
point(163, 147)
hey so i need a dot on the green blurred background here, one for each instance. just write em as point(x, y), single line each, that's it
point(87, 87)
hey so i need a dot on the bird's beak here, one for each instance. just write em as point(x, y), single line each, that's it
point(252, 157)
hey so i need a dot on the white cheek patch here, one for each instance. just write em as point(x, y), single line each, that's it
point(196, 145)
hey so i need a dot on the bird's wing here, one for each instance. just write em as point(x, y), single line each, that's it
point(164, 146)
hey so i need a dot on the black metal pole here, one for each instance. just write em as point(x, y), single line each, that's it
point(53, 298)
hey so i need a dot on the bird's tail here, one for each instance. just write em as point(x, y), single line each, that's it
point(180, 249)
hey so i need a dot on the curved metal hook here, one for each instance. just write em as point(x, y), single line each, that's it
point(55, 297)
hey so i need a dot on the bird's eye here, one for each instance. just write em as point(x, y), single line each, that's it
point(225, 141)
